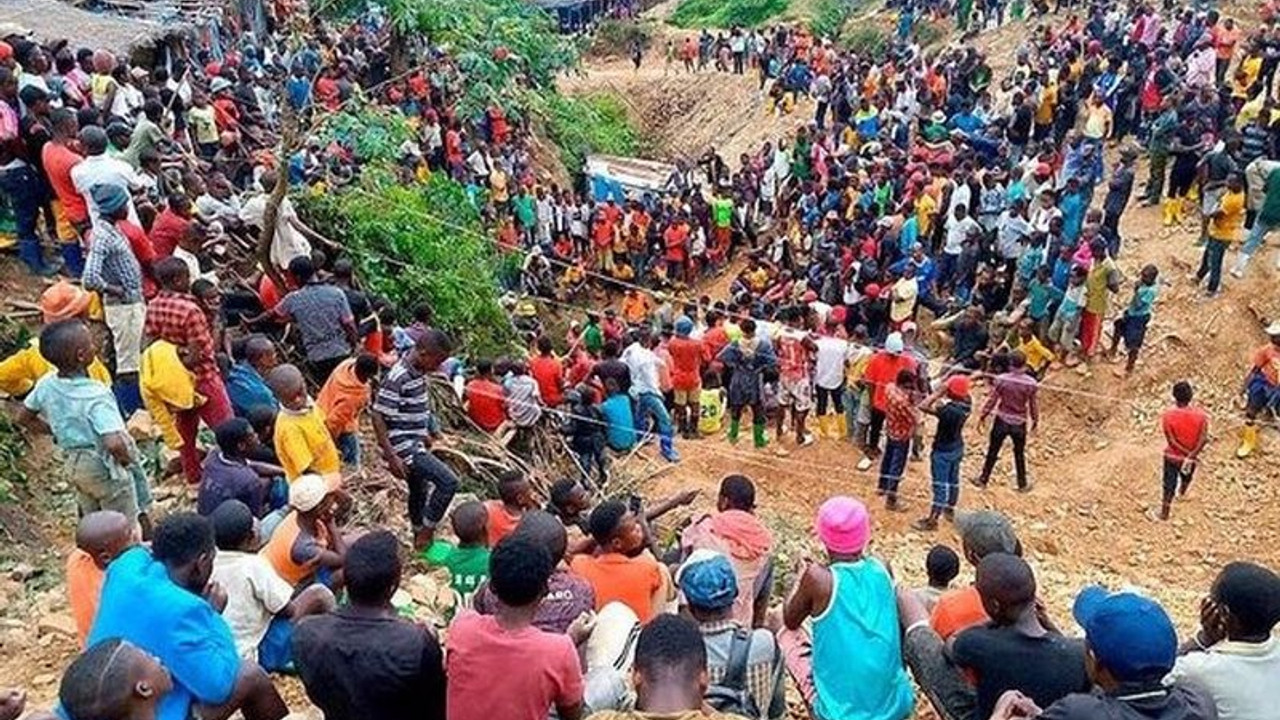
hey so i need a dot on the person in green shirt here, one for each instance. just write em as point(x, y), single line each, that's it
point(592, 335)
point(468, 561)
point(722, 226)
point(526, 214)
point(1162, 130)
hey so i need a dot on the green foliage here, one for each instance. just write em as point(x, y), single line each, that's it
point(869, 39)
point(726, 13)
point(580, 126)
point(422, 243)
point(375, 133)
point(829, 17)
point(616, 37)
point(930, 32)
point(478, 34)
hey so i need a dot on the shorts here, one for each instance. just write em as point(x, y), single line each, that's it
point(125, 323)
point(1133, 328)
point(95, 487)
point(64, 228)
point(795, 393)
point(687, 396)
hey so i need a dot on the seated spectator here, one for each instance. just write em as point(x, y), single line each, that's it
point(548, 371)
point(100, 538)
point(245, 384)
point(301, 440)
point(20, 371)
point(344, 396)
point(515, 495)
point(981, 533)
point(739, 659)
point(539, 671)
point(1234, 656)
point(229, 474)
point(1132, 646)
point(113, 680)
point(363, 660)
point(182, 629)
point(261, 607)
point(484, 398)
point(618, 571)
point(852, 603)
point(1016, 651)
point(735, 532)
point(670, 675)
point(468, 561)
point(941, 565)
point(568, 594)
point(307, 547)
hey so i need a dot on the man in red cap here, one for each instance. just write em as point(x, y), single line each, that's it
point(948, 447)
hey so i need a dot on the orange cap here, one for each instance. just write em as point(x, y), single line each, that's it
point(63, 301)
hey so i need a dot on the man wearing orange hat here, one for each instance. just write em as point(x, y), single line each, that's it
point(948, 447)
point(20, 371)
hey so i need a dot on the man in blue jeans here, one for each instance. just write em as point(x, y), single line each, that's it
point(948, 448)
point(404, 424)
point(647, 391)
point(900, 420)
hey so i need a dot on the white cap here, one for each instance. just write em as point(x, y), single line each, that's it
point(307, 492)
point(893, 343)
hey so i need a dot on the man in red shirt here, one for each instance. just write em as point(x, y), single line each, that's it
point(483, 398)
point(882, 371)
point(171, 226)
point(174, 315)
point(71, 209)
point(676, 239)
point(602, 232)
point(1186, 430)
point(548, 372)
point(686, 376)
point(901, 417)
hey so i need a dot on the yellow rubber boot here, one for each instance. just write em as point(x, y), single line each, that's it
point(1248, 441)
point(1167, 207)
point(842, 426)
point(824, 427)
point(1180, 209)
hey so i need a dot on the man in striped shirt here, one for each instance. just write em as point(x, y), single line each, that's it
point(404, 424)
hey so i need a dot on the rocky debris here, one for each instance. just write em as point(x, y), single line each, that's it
point(58, 623)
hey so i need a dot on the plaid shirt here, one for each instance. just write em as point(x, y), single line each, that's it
point(111, 262)
point(899, 413)
point(764, 666)
point(176, 318)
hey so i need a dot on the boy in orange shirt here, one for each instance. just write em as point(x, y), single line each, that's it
point(344, 396)
point(100, 538)
point(515, 495)
point(620, 571)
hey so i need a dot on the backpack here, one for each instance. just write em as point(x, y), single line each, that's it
point(731, 695)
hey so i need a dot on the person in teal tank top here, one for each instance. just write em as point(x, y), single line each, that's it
point(857, 671)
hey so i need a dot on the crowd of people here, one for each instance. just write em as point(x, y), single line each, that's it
point(931, 228)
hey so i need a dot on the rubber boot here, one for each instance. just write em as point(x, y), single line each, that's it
point(1180, 210)
point(72, 259)
point(733, 431)
point(666, 445)
point(1248, 441)
point(842, 426)
point(757, 434)
point(825, 425)
point(1242, 262)
point(1168, 212)
point(31, 255)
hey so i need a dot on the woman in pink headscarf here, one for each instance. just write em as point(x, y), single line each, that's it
point(735, 532)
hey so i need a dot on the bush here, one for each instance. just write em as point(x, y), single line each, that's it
point(868, 39)
point(726, 13)
point(616, 37)
point(829, 17)
point(422, 243)
point(581, 126)
point(930, 32)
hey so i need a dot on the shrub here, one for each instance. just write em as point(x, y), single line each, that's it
point(726, 13)
point(580, 126)
point(869, 39)
point(616, 37)
point(829, 17)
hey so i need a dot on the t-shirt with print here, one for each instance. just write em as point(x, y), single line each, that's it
point(1044, 669)
point(568, 596)
point(255, 594)
point(510, 674)
point(468, 567)
point(793, 357)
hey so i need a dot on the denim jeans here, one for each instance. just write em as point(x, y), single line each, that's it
point(650, 404)
point(349, 449)
point(893, 464)
point(1257, 234)
point(1211, 263)
point(852, 396)
point(425, 469)
point(945, 469)
point(26, 194)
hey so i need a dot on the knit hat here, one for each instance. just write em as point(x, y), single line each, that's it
point(307, 492)
point(684, 326)
point(108, 198)
point(893, 344)
point(843, 525)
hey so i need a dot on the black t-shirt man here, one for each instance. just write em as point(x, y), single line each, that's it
point(951, 419)
point(1045, 668)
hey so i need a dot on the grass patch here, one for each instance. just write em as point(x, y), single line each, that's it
point(615, 38)
point(726, 13)
point(587, 124)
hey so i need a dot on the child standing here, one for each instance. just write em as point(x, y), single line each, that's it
point(301, 440)
point(585, 427)
point(82, 415)
point(344, 396)
point(1065, 328)
point(1132, 324)
point(710, 404)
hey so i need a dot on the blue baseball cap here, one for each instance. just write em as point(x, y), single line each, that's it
point(707, 581)
point(1129, 634)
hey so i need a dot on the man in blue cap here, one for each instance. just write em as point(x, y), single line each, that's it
point(738, 659)
point(1132, 646)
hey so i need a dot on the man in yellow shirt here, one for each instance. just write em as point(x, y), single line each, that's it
point(302, 441)
point(1226, 226)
